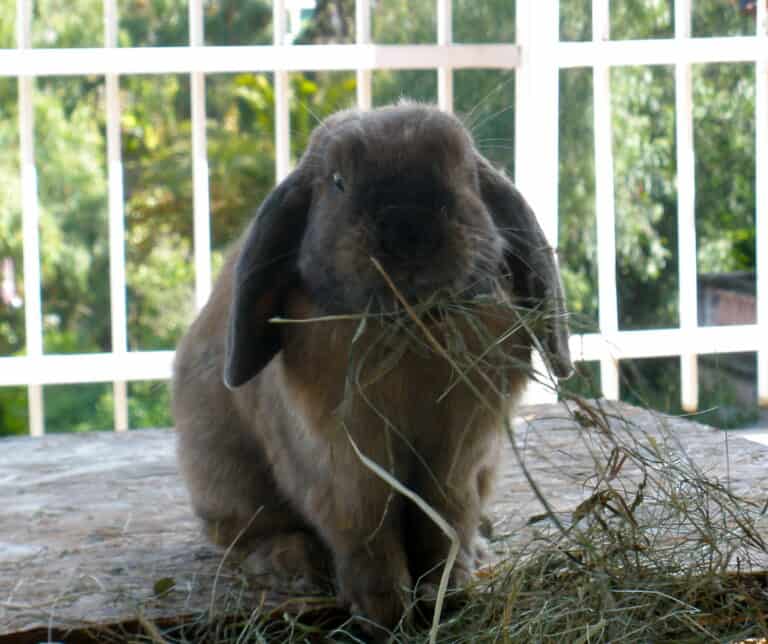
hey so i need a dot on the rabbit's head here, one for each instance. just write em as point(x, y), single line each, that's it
point(405, 186)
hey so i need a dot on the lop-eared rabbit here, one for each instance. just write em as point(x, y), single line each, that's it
point(387, 210)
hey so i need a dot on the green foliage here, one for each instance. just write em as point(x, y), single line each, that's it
point(404, 22)
point(13, 411)
point(234, 22)
point(149, 404)
point(724, 117)
point(56, 24)
point(12, 336)
point(576, 20)
point(157, 167)
point(160, 23)
point(641, 20)
point(655, 383)
point(719, 18)
point(645, 195)
point(391, 86)
point(7, 25)
point(72, 184)
point(78, 408)
point(333, 21)
point(489, 21)
point(316, 96)
point(484, 99)
point(576, 190)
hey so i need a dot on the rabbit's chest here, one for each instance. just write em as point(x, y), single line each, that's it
point(414, 378)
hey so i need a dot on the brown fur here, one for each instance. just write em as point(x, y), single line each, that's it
point(268, 460)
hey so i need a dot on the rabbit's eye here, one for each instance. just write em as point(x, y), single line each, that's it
point(338, 181)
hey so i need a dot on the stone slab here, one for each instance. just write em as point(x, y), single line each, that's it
point(93, 526)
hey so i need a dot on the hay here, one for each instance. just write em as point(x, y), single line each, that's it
point(658, 551)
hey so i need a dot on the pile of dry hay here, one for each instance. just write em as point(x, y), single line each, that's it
point(658, 551)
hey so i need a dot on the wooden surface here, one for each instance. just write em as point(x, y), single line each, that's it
point(90, 523)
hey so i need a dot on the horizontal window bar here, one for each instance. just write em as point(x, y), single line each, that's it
point(661, 51)
point(85, 368)
point(653, 343)
point(156, 365)
point(171, 60)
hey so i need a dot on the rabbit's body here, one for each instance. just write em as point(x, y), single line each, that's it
point(269, 459)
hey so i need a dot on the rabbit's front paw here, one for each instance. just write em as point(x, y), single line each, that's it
point(377, 593)
point(294, 561)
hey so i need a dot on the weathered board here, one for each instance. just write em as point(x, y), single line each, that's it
point(93, 526)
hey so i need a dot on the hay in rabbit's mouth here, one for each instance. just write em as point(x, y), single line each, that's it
point(655, 549)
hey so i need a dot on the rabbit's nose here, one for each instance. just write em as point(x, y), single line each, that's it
point(406, 233)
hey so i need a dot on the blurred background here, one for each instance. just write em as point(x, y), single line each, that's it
point(70, 146)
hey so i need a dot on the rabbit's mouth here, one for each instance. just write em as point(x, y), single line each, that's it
point(425, 293)
point(382, 286)
point(457, 279)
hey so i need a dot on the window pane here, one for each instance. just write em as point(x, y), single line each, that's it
point(7, 24)
point(14, 415)
point(485, 101)
point(315, 96)
point(328, 23)
point(642, 19)
point(652, 383)
point(728, 389)
point(575, 20)
point(241, 151)
point(718, 18)
point(158, 193)
point(727, 298)
point(724, 135)
point(68, 23)
point(646, 197)
point(230, 22)
point(149, 404)
point(12, 333)
point(416, 84)
point(404, 22)
point(577, 243)
point(70, 151)
point(160, 23)
point(483, 22)
point(78, 408)
point(585, 381)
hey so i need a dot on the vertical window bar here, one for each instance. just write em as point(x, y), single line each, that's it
point(116, 221)
point(761, 172)
point(536, 123)
point(536, 110)
point(605, 199)
point(282, 105)
point(33, 319)
point(201, 197)
point(686, 210)
point(363, 37)
point(445, 37)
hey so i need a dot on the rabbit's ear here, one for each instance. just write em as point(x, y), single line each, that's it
point(531, 263)
point(265, 268)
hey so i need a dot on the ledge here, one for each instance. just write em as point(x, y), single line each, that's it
point(90, 523)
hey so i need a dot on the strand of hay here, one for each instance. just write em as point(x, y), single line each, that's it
point(427, 509)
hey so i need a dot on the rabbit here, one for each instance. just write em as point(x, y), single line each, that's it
point(386, 210)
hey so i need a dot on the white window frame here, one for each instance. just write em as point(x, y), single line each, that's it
point(538, 56)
